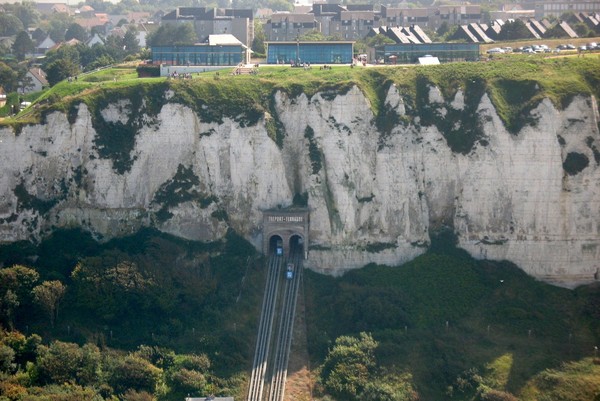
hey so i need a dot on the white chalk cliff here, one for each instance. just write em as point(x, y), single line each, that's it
point(509, 197)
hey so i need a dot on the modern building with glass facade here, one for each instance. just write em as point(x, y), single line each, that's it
point(202, 54)
point(409, 53)
point(309, 52)
point(222, 49)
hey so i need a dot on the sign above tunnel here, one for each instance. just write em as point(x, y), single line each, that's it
point(285, 219)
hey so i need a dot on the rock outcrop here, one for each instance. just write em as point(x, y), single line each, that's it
point(376, 189)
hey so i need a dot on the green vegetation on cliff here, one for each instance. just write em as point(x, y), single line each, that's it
point(515, 87)
point(156, 315)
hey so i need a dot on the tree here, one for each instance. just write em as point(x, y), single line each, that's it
point(10, 25)
point(76, 31)
point(315, 35)
point(60, 70)
point(258, 43)
point(63, 362)
point(443, 29)
point(131, 44)
point(133, 373)
point(57, 25)
point(20, 279)
point(8, 303)
point(9, 79)
point(16, 283)
point(173, 35)
point(514, 30)
point(49, 295)
point(38, 35)
point(26, 12)
point(349, 366)
point(23, 45)
point(7, 359)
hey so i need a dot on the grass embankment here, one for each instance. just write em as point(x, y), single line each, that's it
point(559, 79)
point(459, 325)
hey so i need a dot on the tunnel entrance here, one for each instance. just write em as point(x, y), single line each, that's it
point(290, 226)
point(276, 245)
point(296, 244)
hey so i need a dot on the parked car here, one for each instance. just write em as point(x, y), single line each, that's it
point(495, 50)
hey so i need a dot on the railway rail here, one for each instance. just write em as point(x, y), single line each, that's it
point(269, 372)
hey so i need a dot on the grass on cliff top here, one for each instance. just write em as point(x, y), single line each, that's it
point(515, 85)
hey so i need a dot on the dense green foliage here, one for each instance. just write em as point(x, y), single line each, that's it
point(155, 315)
point(461, 328)
point(150, 289)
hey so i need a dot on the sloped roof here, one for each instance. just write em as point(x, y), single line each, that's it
point(411, 36)
point(419, 33)
point(532, 30)
point(223, 40)
point(38, 74)
point(568, 30)
point(397, 35)
point(479, 33)
point(463, 30)
point(47, 43)
point(540, 29)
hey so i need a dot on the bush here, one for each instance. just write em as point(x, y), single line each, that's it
point(148, 70)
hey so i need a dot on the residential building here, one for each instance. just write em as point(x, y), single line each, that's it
point(352, 25)
point(35, 80)
point(53, 8)
point(96, 39)
point(44, 46)
point(286, 26)
point(556, 8)
point(211, 21)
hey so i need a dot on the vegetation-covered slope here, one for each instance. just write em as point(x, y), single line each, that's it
point(461, 328)
point(161, 317)
point(515, 86)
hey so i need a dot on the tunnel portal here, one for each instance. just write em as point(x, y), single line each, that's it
point(285, 231)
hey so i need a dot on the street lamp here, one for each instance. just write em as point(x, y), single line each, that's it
point(298, 47)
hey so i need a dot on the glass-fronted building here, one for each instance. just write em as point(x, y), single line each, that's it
point(200, 54)
point(409, 53)
point(309, 52)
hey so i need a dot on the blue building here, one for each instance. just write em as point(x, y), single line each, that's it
point(309, 52)
point(221, 50)
point(409, 53)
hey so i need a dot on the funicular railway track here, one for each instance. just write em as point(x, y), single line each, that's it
point(269, 374)
point(284, 337)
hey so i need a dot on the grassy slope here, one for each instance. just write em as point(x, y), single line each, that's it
point(500, 321)
point(558, 79)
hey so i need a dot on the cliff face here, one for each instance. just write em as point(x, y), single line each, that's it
point(376, 187)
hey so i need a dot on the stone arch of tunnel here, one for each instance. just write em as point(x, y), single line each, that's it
point(288, 229)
